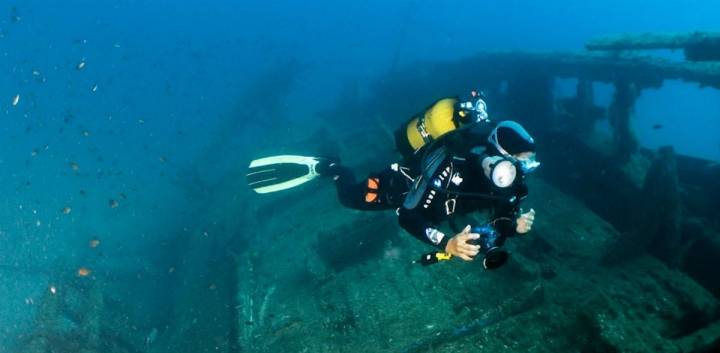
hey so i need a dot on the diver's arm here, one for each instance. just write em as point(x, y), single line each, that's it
point(414, 222)
point(419, 209)
point(505, 222)
point(508, 218)
point(456, 245)
point(505, 216)
point(525, 222)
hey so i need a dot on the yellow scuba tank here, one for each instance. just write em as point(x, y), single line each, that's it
point(436, 121)
point(441, 117)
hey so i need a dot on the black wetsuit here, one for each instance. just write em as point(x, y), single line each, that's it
point(422, 208)
point(392, 186)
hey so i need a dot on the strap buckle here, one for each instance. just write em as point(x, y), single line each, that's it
point(420, 126)
point(450, 206)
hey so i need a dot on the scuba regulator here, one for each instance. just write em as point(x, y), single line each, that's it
point(475, 106)
point(494, 255)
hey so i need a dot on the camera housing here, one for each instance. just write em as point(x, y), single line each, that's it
point(494, 255)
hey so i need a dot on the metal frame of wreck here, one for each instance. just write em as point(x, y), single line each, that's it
point(519, 86)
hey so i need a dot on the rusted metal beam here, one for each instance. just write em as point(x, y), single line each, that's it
point(698, 46)
point(644, 71)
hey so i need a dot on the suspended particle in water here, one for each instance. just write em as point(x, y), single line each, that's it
point(80, 65)
point(113, 203)
point(53, 290)
point(14, 16)
point(16, 100)
point(66, 210)
point(94, 88)
point(83, 272)
point(74, 166)
point(94, 243)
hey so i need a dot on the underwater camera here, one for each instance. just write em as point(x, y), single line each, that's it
point(494, 255)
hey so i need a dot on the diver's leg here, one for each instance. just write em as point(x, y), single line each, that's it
point(379, 191)
point(351, 193)
point(364, 195)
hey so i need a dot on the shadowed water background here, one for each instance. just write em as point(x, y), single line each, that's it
point(133, 117)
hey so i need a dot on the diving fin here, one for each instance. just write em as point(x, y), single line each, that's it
point(271, 174)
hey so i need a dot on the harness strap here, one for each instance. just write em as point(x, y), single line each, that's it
point(402, 170)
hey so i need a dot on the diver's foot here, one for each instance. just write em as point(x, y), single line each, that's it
point(327, 166)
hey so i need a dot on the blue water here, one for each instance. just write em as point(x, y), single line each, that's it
point(161, 103)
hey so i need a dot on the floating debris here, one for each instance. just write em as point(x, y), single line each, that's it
point(66, 210)
point(83, 272)
point(68, 118)
point(151, 337)
point(53, 290)
point(80, 65)
point(14, 16)
point(113, 203)
point(94, 243)
point(16, 100)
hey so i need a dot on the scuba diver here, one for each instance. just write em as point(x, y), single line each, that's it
point(455, 162)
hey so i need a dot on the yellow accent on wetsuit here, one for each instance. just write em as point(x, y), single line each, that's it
point(441, 256)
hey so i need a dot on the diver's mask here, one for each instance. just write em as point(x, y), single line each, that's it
point(528, 165)
point(476, 106)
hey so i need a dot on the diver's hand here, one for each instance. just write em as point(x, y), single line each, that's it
point(458, 245)
point(525, 222)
